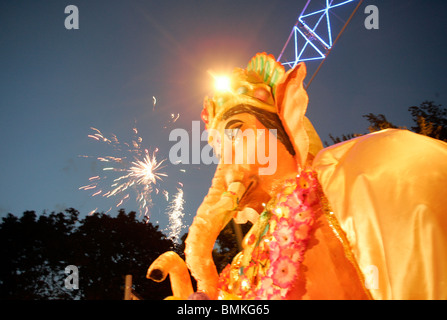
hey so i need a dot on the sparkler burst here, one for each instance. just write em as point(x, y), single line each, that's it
point(136, 170)
point(175, 212)
point(130, 171)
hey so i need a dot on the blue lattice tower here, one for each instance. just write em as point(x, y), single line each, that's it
point(316, 31)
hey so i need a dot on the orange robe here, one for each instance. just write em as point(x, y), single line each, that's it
point(388, 191)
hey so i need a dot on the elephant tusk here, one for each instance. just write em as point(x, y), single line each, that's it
point(228, 202)
point(171, 263)
point(248, 214)
point(238, 188)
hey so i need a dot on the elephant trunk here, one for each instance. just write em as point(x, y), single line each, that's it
point(171, 263)
point(217, 209)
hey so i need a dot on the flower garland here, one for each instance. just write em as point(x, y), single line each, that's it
point(274, 249)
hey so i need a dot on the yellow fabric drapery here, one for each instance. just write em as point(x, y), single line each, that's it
point(388, 191)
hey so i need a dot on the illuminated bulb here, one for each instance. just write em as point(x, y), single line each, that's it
point(222, 83)
point(278, 210)
point(244, 284)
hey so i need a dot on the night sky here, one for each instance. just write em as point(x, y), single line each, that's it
point(55, 84)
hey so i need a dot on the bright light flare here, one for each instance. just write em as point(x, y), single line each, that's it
point(222, 83)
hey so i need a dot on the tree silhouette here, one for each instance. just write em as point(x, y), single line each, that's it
point(114, 247)
point(430, 120)
point(35, 251)
point(378, 122)
point(226, 245)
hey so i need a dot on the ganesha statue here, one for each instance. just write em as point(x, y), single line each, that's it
point(362, 219)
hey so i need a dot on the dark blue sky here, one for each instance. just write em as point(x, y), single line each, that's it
point(55, 83)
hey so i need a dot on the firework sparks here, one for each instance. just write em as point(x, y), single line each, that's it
point(175, 212)
point(136, 171)
point(154, 102)
point(175, 117)
point(145, 171)
point(131, 168)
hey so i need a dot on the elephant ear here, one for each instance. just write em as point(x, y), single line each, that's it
point(291, 103)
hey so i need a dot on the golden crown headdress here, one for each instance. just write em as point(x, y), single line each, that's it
point(265, 84)
point(255, 85)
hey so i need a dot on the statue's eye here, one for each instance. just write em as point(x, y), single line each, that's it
point(233, 133)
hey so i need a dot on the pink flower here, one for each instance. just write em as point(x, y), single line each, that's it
point(292, 201)
point(266, 288)
point(303, 182)
point(276, 295)
point(283, 233)
point(284, 272)
point(302, 231)
point(275, 251)
point(312, 199)
point(304, 216)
